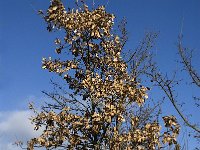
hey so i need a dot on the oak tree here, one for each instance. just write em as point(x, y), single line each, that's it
point(98, 109)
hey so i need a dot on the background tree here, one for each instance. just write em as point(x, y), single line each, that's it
point(99, 109)
point(147, 67)
point(167, 84)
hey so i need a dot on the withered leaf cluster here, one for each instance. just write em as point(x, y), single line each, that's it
point(97, 74)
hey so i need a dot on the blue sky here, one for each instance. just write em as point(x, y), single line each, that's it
point(24, 40)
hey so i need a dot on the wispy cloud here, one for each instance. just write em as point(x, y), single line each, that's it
point(15, 126)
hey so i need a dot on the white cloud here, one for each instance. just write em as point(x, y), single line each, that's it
point(15, 126)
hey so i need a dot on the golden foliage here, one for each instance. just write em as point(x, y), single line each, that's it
point(99, 75)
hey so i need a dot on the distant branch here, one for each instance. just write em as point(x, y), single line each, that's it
point(186, 60)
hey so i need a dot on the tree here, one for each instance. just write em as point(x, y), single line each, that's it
point(99, 109)
point(168, 84)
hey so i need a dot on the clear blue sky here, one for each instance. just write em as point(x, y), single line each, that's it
point(24, 40)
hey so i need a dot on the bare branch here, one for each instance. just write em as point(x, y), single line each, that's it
point(187, 62)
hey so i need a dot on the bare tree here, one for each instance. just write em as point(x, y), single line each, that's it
point(143, 58)
point(167, 84)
